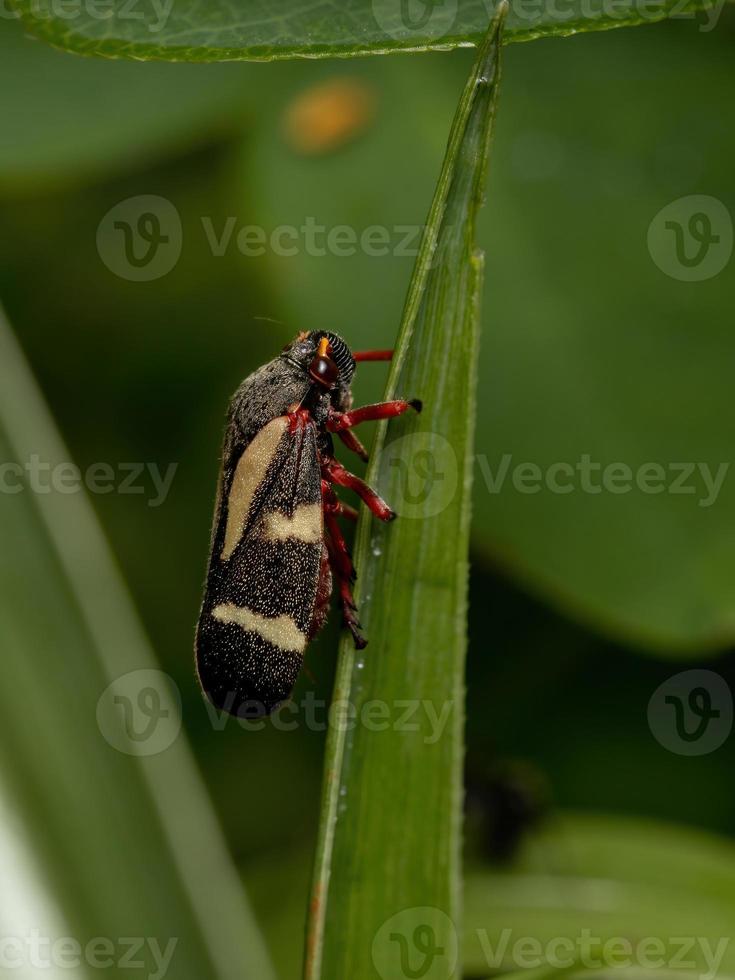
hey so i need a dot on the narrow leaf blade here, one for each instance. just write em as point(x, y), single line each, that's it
point(127, 840)
point(390, 831)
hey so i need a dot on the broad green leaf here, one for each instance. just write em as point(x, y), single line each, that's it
point(606, 878)
point(389, 844)
point(66, 119)
point(594, 350)
point(225, 30)
point(100, 776)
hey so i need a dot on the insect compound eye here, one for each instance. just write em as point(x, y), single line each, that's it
point(324, 371)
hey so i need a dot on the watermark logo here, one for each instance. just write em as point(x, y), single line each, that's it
point(691, 238)
point(416, 718)
point(427, 18)
point(153, 15)
point(422, 467)
point(140, 712)
point(700, 956)
point(41, 476)
point(416, 944)
point(140, 239)
point(700, 480)
point(691, 713)
point(32, 952)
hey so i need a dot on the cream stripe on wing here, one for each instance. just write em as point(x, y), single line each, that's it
point(281, 631)
point(248, 476)
point(304, 525)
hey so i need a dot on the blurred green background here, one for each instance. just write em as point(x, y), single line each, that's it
point(581, 604)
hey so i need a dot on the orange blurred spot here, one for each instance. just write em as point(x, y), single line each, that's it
point(328, 115)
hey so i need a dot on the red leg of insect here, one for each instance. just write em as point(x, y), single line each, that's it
point(323, 594)
point(341, 562)
point(334, 472)
point(373, 355)
point(347, 602)
point(339, 554)
point(352, 442)
point(340, 421)
point(335, 505)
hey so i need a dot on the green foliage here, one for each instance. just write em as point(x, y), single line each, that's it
point(572, 363)
point(616, 878)
point(580, 352)
point(412, 595)
point(74, 118)
point(589, 879)
point(587, 348)
point(127, 844)
point(225, 30)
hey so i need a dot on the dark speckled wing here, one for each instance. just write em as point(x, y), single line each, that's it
point(264, 570)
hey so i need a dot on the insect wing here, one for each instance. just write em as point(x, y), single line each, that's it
point(264, 571)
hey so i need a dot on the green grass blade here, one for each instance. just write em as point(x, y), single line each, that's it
point(128, 844)
point(247, 30)
point(390, 829)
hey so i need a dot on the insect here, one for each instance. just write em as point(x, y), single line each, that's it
point(276, 543)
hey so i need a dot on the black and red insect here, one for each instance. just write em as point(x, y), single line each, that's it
point(276, 543)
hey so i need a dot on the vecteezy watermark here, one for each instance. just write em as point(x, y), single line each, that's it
point(313, 238)
point(141, 238)
point(43, 477)
point(588, 476)
point(416, 942)
point(422, 942)
point(140, 712)
point(691, 238)
point(530, 12)
point(691, 713)
point(691, 953)
point(404, 19)
point(419, 717)
point(422, 466)
point(32, 950)
point(151, 14)
point(420, 471)
point(421, 20)
point(425, 471)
